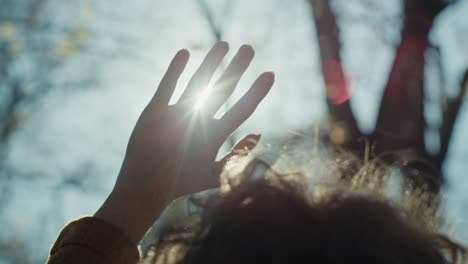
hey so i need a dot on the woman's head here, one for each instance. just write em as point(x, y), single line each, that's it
point(268, 217)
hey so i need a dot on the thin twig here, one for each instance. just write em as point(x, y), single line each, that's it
point(450, 118)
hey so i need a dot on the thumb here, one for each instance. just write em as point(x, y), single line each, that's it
point(248, 143)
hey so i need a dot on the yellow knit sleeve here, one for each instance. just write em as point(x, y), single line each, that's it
point(93, 241)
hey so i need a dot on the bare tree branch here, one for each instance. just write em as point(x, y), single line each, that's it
point(336, 84)
point(205, 9)
point(400, 123)
point(450, 117)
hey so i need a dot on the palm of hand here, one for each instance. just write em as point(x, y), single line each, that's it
point(182, 141)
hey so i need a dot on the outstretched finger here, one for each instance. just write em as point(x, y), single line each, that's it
point(169, 81)
point(233, 118)
point(226, 84)
point(202, 76)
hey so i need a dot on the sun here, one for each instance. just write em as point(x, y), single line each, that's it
point(202, 98)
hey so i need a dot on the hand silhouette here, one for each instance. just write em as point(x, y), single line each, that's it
point(173, 148)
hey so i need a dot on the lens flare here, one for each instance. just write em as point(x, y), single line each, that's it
point(202, 98)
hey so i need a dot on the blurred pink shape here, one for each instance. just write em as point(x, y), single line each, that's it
point(338, 87)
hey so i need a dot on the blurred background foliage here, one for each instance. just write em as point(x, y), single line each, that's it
point(75, 74)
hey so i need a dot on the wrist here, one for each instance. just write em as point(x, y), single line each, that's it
point(131, 213)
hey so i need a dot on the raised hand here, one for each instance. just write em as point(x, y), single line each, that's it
point(173, 148)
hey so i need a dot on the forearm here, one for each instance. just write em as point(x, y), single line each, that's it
point(131, 212)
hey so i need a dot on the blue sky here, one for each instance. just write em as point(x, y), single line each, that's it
point(86, 130)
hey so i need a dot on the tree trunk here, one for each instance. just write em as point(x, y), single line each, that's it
point(400, 126)
point(343, 127)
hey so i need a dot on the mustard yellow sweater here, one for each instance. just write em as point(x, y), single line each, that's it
point(93, 241)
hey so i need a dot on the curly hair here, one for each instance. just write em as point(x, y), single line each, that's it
point(264, 216)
